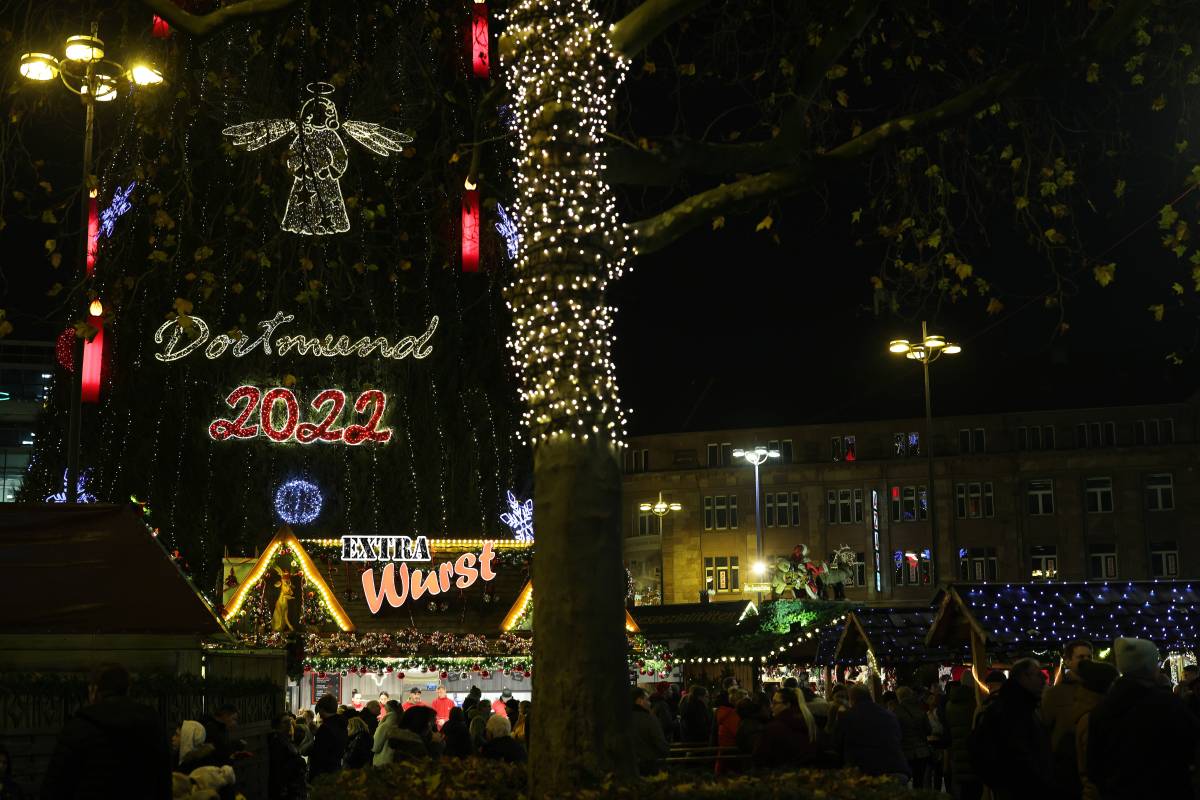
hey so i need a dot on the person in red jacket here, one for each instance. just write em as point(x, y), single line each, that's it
point(414, 698)
point(500, 704)
point(727, 723)
point(442, 705)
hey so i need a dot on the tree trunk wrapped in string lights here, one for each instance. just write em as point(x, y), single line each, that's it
point(561, 71)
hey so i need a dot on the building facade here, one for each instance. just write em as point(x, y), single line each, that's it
point(1093, 494)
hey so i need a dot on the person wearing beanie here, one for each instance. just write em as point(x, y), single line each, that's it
point(1141, 739)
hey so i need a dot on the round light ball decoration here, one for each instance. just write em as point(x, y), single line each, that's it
point(298, 502)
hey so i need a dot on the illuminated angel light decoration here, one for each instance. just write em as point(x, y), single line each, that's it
point(119, 206)
point(507, 228)
point(298, 502)
point(317, 159)
point(519, 518)
point(572, 243)
point(82, 495)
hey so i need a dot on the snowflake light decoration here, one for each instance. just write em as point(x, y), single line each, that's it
point(507, 228)
point(298, 502)
point(119, 206)
point(317, 159)
point(82, 495)
point(520, 519)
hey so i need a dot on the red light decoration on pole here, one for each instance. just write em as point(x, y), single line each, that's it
point(160, 29)
point(93, 351)
point(480, 42)
point(470, 228)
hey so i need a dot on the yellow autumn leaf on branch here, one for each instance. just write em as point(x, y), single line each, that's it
point(876, 282)
point(1104, 273)
point(994, 306)
point(183, 306)
point(843, 98)
point(765, 224)
point(963, 270)
point(1177, 288)
point(718, 222)
point(1157, 311)
point(687, 69)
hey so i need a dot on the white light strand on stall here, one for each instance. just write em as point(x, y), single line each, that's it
point(562, 74)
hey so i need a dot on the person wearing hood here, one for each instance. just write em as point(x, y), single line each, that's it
point(790, 738)
point(381, 753)
point(960, 716)
point(112, 745)
point(1095, 678)
point(416, 736)
point(457, 735)
point(194, 751)
point(1141, 739)
point(1010, 747)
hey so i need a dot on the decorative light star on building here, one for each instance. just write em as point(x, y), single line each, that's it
point(520, 519)
point(119, 206)
point(317, 159)
point(298, 502)
point(507, 228)
point(82, 495)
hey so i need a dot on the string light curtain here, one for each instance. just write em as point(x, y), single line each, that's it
point(562, 79)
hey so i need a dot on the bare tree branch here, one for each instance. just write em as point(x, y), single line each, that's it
point(204, 24)
point(631, 34)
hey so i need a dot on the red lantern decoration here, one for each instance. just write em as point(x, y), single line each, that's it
point(480, 41)
point(399, 676)
point(485, 674)
point(528, 673)
point(388, 670)
point(159, 28)
point(444, 675)
point(470, 228)
point(353, 671)
point(93, 350)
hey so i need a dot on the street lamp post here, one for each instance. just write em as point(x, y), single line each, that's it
point(660, 509)
point(757, 457)
point(930, 348)
point(85, 71)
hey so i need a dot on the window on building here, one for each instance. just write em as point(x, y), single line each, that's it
point(972, 440)
point(709, 519)
point(785, 451)
point(1043, 562)
point(858, 505)
point(1110, 434)
point(831, 506)
point(637, 460)
point(770, 510)
point(1093, 434)
point(909, 503)
point(795, 509)
point(726, 454)
point(858, 571)
point(843, 448)
point(733, 519)
point(964, 440)
point(1164, 559)
point(649, 523)
point(721, 574)
point(1081, 435)
point(914, 443)
point(1160, 492)
point(1102, 562)
point(1047, 437)
point(1099, 495)
point(1139, 431)
point(720, 512)
point(721, 504)
point(714, 454)
point(912, 568)
point(974, 499)
point(906, 443)
point(909, 507)
point(977, 564)
point(899, 444)
point(777, 510)
point(845, 506)
point(1167, 429)
point(1040, 496)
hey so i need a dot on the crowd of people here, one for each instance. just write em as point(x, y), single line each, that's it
point(1098, 731)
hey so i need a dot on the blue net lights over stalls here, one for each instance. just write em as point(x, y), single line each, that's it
point(298, 502)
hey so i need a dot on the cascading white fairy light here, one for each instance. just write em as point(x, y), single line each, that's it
point(562, 74)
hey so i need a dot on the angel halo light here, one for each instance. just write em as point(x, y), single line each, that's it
point(317, 158)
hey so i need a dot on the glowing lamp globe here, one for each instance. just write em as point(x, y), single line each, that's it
point(84, 48)
point(145, 75)
point(298, 502)
point(39, 66)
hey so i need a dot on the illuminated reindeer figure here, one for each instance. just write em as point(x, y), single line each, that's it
point(317, 159)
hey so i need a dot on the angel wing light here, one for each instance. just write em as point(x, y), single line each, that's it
point(317, 159)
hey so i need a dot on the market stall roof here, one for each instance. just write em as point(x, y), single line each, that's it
point(1017, 618)
point(92, 569)
point(691, 619)
point(892, 634)
point(518, 614)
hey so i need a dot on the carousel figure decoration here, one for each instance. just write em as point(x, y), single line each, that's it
point(317, 159)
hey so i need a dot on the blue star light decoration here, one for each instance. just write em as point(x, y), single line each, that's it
point(298, 502)
point(507, 228)
point(119, 206)
point(520, 519)
point(82, 495)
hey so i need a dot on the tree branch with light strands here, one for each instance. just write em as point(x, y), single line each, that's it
point(204, 24)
